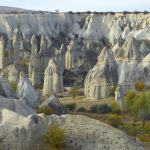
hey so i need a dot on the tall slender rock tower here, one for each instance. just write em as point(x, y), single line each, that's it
point(53, 80)
point(17, 45)
point(69, 55)
point(60, 57)
point(34, 47)
point(2, 53)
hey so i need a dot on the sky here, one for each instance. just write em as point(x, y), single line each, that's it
point(79, 5)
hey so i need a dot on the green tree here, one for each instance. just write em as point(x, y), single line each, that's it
point(74, 91)
point(115, 107)
point(132, 105)
point(138, 104)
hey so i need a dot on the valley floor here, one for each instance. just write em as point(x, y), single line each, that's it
point(122, 121)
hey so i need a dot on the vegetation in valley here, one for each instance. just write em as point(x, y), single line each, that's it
point(134, 120)
point(55, 136)
point(47, 110)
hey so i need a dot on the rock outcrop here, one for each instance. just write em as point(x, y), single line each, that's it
point(53, 80)
point(13, 74)
point(39, 60)
point(2, 53)
point(5, 87)
point(60, 57)
point(20, 132)
point(102, 77)
point(16, 106)
point(69, 55)
point(17, 45)
point(26, 92)
point(86, 34)
point(82, 132)
point(54, 104)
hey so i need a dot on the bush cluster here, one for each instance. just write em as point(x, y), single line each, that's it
point(139, 86)
point(55, 136)
point(70, 106)
point(81, 109)
point(46, 110)
point(138, 105)
point(101, 109)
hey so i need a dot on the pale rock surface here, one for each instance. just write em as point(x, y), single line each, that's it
point(142, 34)
point(146, 67)
point(5, 87)
point(69, 56)
point(39, 60)
point(102, 76)
point(54, 103)
point(10, 51)
point(2, 53)
point(13, 74)
point(53, 80)
point(131, 49)
point(88, 134)
point(60, 57)
point(129, 73)
point(36, 70)
point(17, 45)
point(19, 132)
point(16, 106)
point(26, 92)
point(144, 49)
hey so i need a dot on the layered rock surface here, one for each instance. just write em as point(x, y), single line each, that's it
point(54, 104)
point(5, 87)
point(82, 132)
point(102, 77)
point(53, 80)
point(42, 33)
point(26, 92)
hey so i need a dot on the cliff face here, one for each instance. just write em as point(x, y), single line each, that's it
point(33, 38)
point(90, 26)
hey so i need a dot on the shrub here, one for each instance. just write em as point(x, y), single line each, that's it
point(115, 120)
point(136, 12)
point(133, 131)
point(115, 107)
point(46, 110)
point(112, 13)
point(138, 104)
point(88, 12)
point(70, 12)
point(74, 91)
point(130, 98)
point(93, 109)
point(6, 53)
point(55, 136)
point(81, 109)
point(145, 12)
point(13, 86)
point(104, 109)
point(101, 109)
point(126, 12)
point(144, 137)
point(144, 115)
point(71, 106)
point(139, 86)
